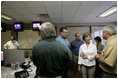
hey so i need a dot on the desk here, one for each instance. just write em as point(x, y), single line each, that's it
point(8, 71)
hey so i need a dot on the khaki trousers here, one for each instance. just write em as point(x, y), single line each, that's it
point(90, 70)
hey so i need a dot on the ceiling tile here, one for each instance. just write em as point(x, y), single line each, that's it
point(52, 3)
point(78, 20)
point(80, 15)
point(10, 13)
point(101, 8)
point(66, 19)
point(54, 15)
point(108, 3)
point(90, 3)
point(53, 9)
point(39, 10)
point(23, 11)
point(85, 8)
point(33, 4)
point(4, 7)
point(71, 3)
point(66, 14)
point(70, 9)
point(14, 4)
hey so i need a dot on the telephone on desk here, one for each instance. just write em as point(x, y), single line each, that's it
point(25, 65)
point(24, 73)
point(21, 74)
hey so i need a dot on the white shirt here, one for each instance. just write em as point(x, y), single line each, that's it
point(11, 45)
point(90, 52)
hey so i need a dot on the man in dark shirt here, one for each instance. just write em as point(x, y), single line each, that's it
point(49, 56)
point(74, 46)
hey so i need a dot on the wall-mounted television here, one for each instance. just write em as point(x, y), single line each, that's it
point(36, 25)
point(3, 27)
point(18, 26)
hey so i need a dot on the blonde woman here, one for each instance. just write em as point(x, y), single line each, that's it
point(86, 62)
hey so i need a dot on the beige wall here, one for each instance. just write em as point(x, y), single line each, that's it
point(5, 36)
point(27, 39)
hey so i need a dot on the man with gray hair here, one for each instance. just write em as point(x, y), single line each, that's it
point(108, 57)
point(49, 56)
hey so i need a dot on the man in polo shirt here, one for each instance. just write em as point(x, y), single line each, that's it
point(49, 56)
point(108, 57)
point(74, 46)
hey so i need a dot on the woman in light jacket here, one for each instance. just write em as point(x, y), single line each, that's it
point(86, 57)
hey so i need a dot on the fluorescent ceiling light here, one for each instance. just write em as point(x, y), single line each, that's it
point(109, 12)
point(6, 17)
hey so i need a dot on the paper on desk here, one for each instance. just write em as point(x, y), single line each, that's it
point(16, 71)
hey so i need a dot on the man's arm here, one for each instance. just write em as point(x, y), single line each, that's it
point(6, 46)
point(16, 43)
point(71, 46)
point(109, 58)
point(99, 58)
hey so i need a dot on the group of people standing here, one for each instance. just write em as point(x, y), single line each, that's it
point(96, 60)
point(51, 56)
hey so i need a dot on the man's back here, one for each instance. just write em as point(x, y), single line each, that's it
point(50, 57)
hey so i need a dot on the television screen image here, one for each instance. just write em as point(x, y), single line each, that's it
point(36, 25)
point(17, 26)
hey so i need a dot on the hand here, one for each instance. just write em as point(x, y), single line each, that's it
point(97, 56)
point(83, 56)
point(79, 69)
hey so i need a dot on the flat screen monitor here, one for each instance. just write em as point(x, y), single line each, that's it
point(36, 25)
point(18, 27)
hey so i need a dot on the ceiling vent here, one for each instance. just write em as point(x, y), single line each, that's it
point(43, 16)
